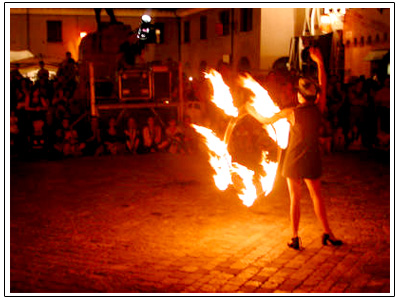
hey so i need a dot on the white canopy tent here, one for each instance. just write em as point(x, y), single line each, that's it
point(16, 56)
point(28, 64)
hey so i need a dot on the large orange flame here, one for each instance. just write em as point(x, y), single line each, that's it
point(228, 172)
point(263, 104)
point(222, 96)
point(220, 159)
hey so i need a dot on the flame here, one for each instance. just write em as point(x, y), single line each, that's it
point(248, 193)
point(263, 104)
point(220, 159)
point(222, 96)
point(270, 168)
point(227, 172)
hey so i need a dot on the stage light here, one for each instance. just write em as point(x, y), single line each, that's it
point(146, 18)
point(144, 28)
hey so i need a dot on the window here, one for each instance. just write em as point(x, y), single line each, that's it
point(355, 42)
point(224, 17)
point(186, 32)
point(246, 19)
point(203, 27)
point(369, 40)
point(54, 32)
point(377, 38)
point(362, 41)
point(385, 37)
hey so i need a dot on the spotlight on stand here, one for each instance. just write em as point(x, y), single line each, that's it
point(144, 28)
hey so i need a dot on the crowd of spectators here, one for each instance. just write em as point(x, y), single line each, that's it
point(47, 120)
point(358, 116)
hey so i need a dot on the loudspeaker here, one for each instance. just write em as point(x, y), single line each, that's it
point(135, 85)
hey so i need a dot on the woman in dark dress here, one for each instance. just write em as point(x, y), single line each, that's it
point(302, 159)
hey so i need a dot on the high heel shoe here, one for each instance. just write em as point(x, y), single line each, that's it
point(326, 238)
point(295, 244)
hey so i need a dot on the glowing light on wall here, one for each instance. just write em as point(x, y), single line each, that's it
point(336, 16)
point(326, 24)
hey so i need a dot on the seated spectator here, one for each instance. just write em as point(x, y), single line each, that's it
point(355, 139)
point(58, 143)
point(71, 144)
point(59, 97)
point(152, 135)
point(21, 99)
point(14, 130)
point(94, 145)
point(190, 141)
point(112, 139)
point(325, 137)
point(174, 138)
point(36, 109)
point(24, 96)
point(37, 102)
point(59, 112)
point(132, 136)
point(38, 139)
point(339, 140)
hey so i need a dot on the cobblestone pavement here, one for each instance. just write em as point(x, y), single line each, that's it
point(156, 224)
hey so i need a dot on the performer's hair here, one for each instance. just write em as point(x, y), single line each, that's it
point(308, 88)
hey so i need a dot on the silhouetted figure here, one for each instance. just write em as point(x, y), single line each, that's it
point(110, 12)
point(130, 52)
point(43, 73)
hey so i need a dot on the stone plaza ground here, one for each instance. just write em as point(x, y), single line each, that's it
point(156, 224)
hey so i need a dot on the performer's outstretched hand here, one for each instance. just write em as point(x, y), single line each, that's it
point(284, 113)
point(252, 111)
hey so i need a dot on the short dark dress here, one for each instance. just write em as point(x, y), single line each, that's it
point(302, 158)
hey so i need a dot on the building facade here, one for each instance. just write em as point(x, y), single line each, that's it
point(49, 33)
point(366, 36)
point(249, 39)
point(246, 38)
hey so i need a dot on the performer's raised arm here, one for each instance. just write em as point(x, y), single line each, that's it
point(316, 56)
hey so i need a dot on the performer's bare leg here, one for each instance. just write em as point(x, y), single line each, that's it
point(314, 187)
point(294, 186)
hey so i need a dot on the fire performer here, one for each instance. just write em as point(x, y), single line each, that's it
point(302, 159)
